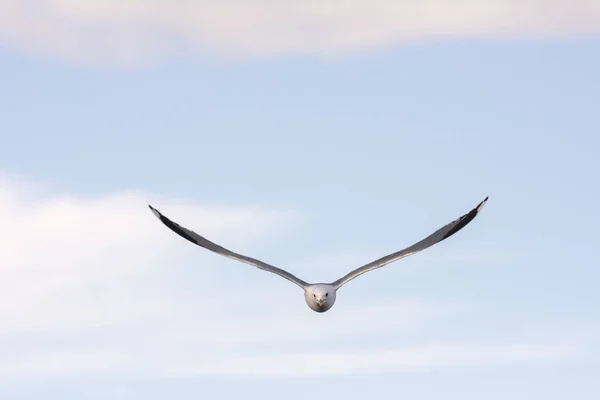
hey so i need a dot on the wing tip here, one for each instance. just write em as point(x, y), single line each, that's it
point(480, 206)
point(155, 211)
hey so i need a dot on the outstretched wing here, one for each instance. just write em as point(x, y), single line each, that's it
point(207, 244)
point(443, 233)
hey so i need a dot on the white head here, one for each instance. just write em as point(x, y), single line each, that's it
point(320, 297)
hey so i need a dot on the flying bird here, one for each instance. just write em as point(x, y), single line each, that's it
point(320, 297)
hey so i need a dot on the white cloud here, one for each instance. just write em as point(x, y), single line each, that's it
point(96, 285)
point(125, 32)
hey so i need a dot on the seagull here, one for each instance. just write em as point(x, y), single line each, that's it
point(320, 297)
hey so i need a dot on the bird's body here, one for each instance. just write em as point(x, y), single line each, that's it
point(320, 297)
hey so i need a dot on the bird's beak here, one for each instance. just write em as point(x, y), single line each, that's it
point(320, 302)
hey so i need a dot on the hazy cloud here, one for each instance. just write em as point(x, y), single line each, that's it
point(116, 32)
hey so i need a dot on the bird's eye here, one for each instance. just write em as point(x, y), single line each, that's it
point(326, 294)
point(314, 295)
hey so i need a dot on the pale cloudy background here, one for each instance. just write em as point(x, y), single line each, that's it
point(317, 136)
point(115, 32)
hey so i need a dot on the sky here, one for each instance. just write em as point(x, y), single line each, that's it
point(316, 136)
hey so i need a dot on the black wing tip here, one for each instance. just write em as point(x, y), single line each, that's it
point(155, 212)
point(480, 205)
point(465, 219)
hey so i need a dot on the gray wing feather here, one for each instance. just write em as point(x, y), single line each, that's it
point(441, 234)
point(207, 244)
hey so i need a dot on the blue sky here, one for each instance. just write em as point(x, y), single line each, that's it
point(317, 165)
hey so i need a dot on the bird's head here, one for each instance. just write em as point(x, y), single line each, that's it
point(320, 298)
